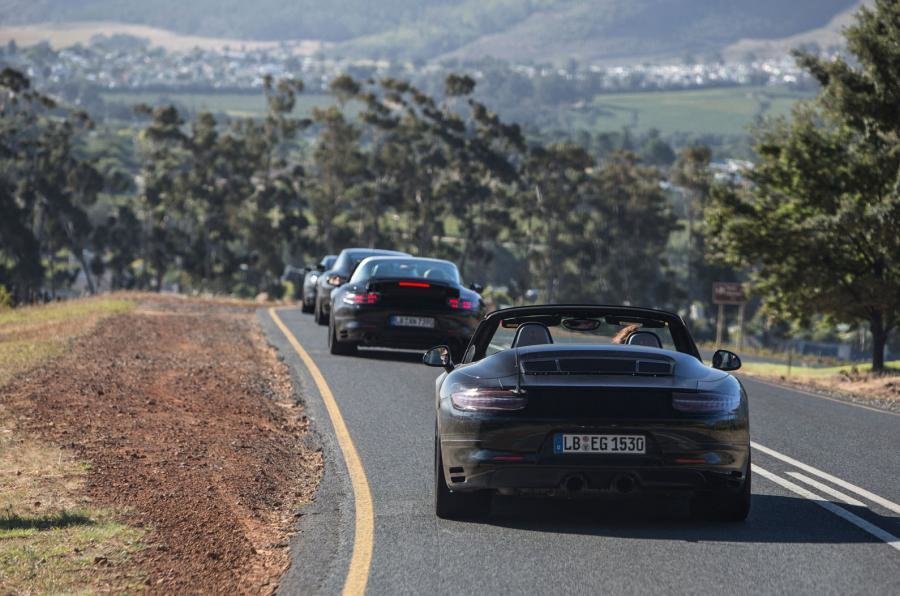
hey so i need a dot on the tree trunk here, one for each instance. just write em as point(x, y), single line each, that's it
point(92, 289)
point(879, 339)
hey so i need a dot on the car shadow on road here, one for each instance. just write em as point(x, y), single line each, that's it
point(390, 355)
point(773, 519)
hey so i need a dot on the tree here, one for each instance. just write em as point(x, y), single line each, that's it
point(628, 224)
point(45, 187)
point(339, 166)
point(820, 227)
point(692, 175)
point(163, 146)
point(554, 179)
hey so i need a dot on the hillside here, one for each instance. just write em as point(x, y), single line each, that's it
point(541, 30)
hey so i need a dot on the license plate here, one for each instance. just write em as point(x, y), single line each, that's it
point(619, 444)
point(404, 321)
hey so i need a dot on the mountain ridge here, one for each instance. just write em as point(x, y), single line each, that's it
point(522, 30)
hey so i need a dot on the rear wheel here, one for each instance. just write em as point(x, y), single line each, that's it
point(340, 348)
point(307, 308)
point(724, 505)
point(319, 316)
point(455, 505)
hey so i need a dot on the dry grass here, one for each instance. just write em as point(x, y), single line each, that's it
point(855, 382)
point(52, 541)
point(35, 334)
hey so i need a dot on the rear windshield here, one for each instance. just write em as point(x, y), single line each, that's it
point(577, 330)
point(348, 260)
point(407, 268)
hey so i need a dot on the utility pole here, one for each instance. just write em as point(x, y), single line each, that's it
point(720, 323)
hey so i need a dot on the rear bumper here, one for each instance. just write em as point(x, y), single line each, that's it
point(517, 456)
point(372, 328)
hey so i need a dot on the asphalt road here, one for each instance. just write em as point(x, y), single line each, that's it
point(824, 520)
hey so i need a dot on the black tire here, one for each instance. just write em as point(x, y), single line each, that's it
point(307, 308)
point(339, 348)
point(724, 505)
point(456, 505)
point(319, 316)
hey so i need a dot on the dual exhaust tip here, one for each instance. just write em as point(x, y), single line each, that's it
point(622, 484)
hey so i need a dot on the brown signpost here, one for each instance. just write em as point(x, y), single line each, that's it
point(729, 293)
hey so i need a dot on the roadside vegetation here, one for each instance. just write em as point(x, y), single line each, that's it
point(855, 382)
point(52, 538)
point(210, 203)
point(32, 335)
point(146, 441)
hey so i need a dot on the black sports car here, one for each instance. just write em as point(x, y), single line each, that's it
point(403, 302)
point(308, 289)
point(338, 274)
point(589, 401)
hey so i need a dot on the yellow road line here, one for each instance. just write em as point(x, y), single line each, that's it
point(361, 559)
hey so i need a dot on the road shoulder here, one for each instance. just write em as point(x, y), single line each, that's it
point(887, 406)
point(322, 546)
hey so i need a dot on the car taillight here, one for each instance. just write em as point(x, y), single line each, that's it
point(361, 298)
point(334, 280)
point(488, 399)
point(705, 402)
point(413, 284)
point(460, 304)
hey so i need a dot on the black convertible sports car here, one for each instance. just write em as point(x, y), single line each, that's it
point(308, 289)
point(589, 401)
point(339, 274)
point(403, 302)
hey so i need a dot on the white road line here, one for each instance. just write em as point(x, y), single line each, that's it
point(839, 511)
point(890, 505)
point(826, 489)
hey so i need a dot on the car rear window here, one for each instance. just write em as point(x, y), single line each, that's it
point(407, 268)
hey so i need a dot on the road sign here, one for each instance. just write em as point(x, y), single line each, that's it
point(726, 292)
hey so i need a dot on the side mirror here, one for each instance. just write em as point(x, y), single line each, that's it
point(476, 288)
point(439, 356)
point(725, 360)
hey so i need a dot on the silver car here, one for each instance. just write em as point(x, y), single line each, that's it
point(308, 289)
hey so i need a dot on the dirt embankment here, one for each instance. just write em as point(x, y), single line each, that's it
point(188, 422)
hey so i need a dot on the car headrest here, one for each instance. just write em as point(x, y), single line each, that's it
point(531, 334)
point(436, 274)
point(647, 339)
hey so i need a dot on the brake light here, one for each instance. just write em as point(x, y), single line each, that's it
point(460, 304)
point(361, 298)
point(413, 284)
point(706, 402)
point(473, 400)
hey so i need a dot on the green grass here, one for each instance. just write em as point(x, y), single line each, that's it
point(51, 539)
point(725, 111)
point(233, 104)
point(62, 311)
point(807, 372)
